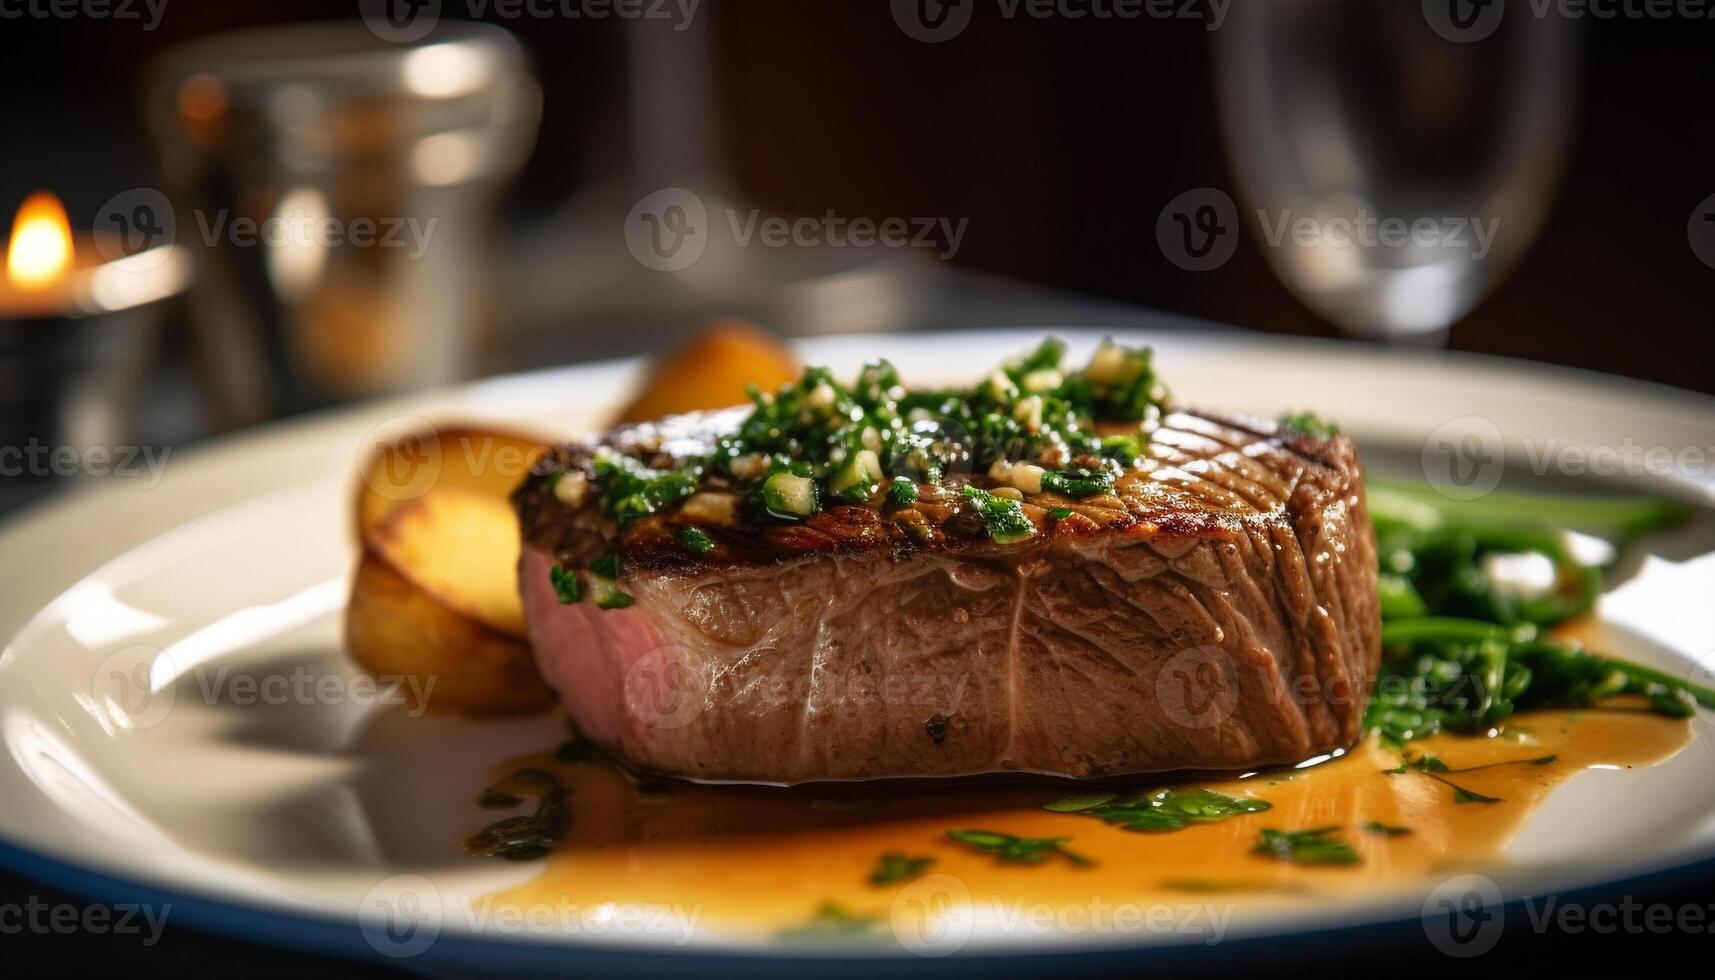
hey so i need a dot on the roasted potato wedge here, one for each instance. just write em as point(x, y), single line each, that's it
point(490, 462)
point(461, 547)
point(393, 628)
point(436, 594)
point(712, 370)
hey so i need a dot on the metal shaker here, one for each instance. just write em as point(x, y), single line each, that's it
point(338, 191)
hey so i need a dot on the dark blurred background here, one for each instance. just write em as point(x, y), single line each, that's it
point(1059, 140)
point(1059, 143)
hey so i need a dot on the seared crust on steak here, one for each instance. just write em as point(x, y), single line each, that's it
point(1217, 610)
point(1174, 492)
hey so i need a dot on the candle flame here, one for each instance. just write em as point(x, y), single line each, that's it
point(40, 250)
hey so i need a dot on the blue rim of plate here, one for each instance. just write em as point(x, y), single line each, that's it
point(473, 956)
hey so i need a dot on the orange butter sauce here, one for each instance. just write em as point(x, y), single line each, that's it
point(755, 860)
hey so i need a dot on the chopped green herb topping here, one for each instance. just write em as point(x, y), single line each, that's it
point(1123, 383)
point(833, 923)
point(858, 478)
point(607, 566)
point(526, 837)
point(1077, 804)
point(791, 496)
point(1081, 481)
point(893, 866)
point(1060, 513)
point(1216, 886)
point(1541, 760)
point(1163, 810)
point(1305, 846)
point(1017, 850)
point(630, 489)
point(1004, 518)
point(1309, 424)
point(609, 596)
point(1431, 765)
point(696, 540)
point(1380, 829)
point(604, 579)
point(818, 443)
point(1427, 762)
point(1123, 449)
point(565, 585)
point(1463, 794)
point(1430, 762)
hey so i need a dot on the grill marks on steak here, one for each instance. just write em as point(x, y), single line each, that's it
point(1217, 611)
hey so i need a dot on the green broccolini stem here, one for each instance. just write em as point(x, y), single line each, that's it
point(1618, 517)
point(1704, 695)
point(1452, 629)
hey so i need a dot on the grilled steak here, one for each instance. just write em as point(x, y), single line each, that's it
point(1212, 606)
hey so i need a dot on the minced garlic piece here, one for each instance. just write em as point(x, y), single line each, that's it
point(571, 488)
point(711, 507)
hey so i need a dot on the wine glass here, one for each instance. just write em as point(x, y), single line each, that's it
point(1394, 168)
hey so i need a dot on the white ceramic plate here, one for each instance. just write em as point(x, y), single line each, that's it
point(135, 767)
